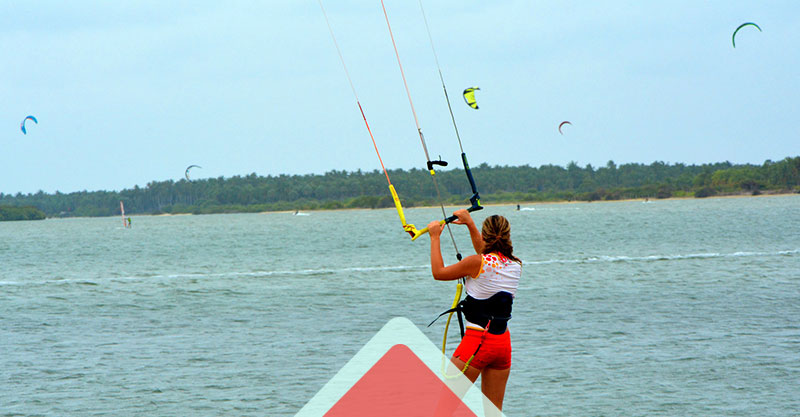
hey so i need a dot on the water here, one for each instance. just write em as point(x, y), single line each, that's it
point(684, 307)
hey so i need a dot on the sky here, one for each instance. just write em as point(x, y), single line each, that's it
point(132, 92)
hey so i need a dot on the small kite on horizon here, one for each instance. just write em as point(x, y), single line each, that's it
point(22, 125)
point(733, 37)
point(565, 122)
point(187, 171)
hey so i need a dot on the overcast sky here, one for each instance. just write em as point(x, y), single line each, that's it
point(134, 91)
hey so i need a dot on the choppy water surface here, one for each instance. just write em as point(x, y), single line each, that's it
point(684, 307)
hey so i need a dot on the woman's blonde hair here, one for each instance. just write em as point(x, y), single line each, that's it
point(496, 234)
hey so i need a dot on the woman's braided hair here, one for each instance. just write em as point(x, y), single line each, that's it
point(496, 234)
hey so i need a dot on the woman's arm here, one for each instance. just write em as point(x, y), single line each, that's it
point(474, 234)
point(469, 266)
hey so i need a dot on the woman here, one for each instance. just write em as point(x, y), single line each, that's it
point(492, 277)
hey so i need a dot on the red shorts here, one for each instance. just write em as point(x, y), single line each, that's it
point(495, 352)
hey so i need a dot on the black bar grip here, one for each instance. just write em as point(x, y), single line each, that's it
point(454, 217)
point(436, 162)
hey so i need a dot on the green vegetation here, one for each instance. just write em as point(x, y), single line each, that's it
point(341, 189)
point(8, 213)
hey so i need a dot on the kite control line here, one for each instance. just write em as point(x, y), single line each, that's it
point(430, 163)
point(447, 220)
point(475, 200)
point(409, 228)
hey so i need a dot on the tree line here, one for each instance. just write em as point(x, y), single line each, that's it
point(10, 213)
point(358, 189)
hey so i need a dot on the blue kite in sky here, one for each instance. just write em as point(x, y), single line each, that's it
point(22, 125)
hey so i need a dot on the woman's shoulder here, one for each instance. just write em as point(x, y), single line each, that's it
point(474, 263)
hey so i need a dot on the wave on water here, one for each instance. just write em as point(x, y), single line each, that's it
point(300, 272)
point(395, 268)
point(548, 208)
point(81, 281)
point(649, 258)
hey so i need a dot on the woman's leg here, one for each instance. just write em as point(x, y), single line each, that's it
point(493, 385)
point(445, 407)
point(457, 365)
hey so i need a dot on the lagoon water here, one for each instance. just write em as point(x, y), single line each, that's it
point(673, 308)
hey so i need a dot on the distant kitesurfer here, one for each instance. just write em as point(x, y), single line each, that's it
point(492, 277)
point(517, 207)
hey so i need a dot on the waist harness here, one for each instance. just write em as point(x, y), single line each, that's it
point(494, 311)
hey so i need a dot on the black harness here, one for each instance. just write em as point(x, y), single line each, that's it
point(494, 312)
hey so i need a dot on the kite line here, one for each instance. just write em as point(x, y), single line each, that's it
point(409, 228)
point(475, 200)
point(430, 163)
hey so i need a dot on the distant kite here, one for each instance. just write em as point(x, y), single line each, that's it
point(469, 97)
point(22, 125)
point(565, 122)
point(187, 171)
point(733, 37)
